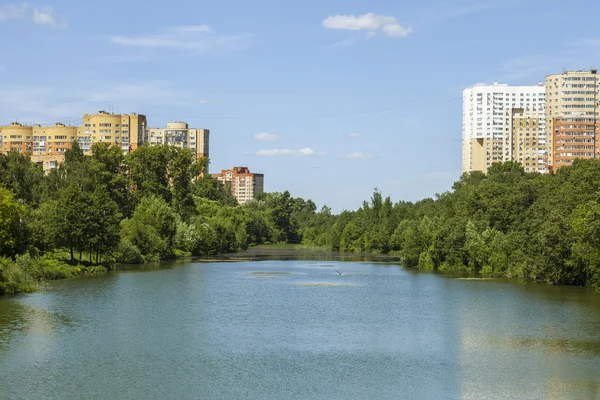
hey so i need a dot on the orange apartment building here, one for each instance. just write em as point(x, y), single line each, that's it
point(572, 112)
point(245, 185)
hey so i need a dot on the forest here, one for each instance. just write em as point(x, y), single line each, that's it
point(93, 213)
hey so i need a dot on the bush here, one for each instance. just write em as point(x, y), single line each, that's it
point(96, 270)
point(14, 279)
point(128, 253)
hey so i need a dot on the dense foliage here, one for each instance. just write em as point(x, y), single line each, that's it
point(154, 204)
point(149, 205)
point(503, 223)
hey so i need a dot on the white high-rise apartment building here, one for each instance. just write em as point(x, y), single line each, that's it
point(487, 123)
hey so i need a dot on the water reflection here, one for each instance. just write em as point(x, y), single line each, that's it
point(218, 330)
point(19, 320)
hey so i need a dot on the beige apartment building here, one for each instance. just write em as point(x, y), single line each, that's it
point(572, 112)
point(45, 145)
point(527, 141)
point(244, 184)
point(16, 137)
point(126, 131)
point(180, 135)
point(50, 144)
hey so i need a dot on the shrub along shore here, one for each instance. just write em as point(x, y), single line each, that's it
point(93, 213)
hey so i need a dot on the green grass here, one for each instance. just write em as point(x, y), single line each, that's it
point(24, 273)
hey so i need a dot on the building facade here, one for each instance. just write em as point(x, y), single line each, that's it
point(487, 127)
point(50, 144)
point(527, 143)
point(16, 137)
point(45, 145)
point(572, 112)
point(244, 184)
point(126, 131)
point(180, 135)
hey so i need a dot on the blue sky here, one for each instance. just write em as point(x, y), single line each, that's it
point(352, 94)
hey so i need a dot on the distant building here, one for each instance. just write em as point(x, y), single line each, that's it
point(126, 131)
point(487, 119)
point(178, 134)
point(527, 143)
point(572, 110)
point(45, 145)
point(244, 184)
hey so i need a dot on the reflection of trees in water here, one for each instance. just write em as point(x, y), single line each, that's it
point(295, 253)
point(553, 346)
point(17, 318)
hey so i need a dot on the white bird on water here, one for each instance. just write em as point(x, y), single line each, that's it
point(339, 273)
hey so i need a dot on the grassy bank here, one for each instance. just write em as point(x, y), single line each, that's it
point(25, 273)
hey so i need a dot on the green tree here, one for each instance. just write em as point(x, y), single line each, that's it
point(151, 229)
point(11, 216)
point(148, 171)
point(21, 176)
point(108, 171)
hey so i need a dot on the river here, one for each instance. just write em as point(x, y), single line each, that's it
point(296, 329)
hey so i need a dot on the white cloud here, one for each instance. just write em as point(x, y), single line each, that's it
point(203, 101)
point(305, 152)
point(40, 16)
point(12, 11)
point(47, 104)
point(266, 136)
point(354, 135)
point(368, 22)
point(360, 156)
point(195, 37)
point(44, 16)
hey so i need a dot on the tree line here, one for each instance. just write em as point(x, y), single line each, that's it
point(93, 212)
point(504, 223)
point(155, 203)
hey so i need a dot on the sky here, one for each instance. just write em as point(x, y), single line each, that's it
point(329, 99)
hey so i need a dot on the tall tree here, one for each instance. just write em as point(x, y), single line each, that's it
point(11, 225)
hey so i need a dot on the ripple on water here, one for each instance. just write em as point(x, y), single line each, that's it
point(324, 284)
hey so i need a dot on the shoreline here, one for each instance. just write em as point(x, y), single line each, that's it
point(266, 253)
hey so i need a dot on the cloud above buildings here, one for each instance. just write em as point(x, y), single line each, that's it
point(305, 152)
point(359, 156)
point(191, 37)
point(43, 16)
point(266, 136)
point(354, 135)
point(371, 23)
point(12, 11)
point(47, 104)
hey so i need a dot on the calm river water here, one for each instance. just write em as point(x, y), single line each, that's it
point(295, 329)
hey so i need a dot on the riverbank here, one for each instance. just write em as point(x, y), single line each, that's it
point(26, 273)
